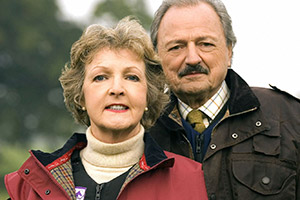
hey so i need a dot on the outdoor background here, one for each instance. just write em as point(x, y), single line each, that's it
point(36, 37)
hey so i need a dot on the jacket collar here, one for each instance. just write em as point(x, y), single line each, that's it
point(241, 97)
point(55, 167)
point(76, 141)
point(153, 153)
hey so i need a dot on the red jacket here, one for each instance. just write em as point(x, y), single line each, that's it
point(158, 175)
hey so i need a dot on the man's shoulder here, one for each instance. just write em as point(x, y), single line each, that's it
point(278, 105)
point(274, 94)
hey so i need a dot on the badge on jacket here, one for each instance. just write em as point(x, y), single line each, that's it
point(80, 192)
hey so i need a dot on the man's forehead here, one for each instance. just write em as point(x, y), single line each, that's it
point(196, 22)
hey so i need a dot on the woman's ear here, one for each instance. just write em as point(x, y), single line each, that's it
point(82, 104)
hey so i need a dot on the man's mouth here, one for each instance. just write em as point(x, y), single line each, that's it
point(193, 72)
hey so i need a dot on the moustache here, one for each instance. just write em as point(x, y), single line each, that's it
point(192, 69)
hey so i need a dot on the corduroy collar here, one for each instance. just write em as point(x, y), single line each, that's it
point(241, 97)
point(153, 153)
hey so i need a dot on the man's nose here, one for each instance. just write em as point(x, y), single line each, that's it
point(192, 55)
point(117, 87)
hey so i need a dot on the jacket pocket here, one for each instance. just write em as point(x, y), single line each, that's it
point(262, 179)
point(268, 141)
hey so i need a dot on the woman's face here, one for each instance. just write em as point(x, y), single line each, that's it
point(115, 91)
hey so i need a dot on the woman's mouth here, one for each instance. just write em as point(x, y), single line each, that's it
point(117, 108)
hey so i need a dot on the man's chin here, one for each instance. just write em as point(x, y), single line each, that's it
point(195, 91)
point(191, 88)
point(194, 76)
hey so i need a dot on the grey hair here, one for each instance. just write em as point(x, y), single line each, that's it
point(217, 5)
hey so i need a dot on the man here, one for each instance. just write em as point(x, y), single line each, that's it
point(248, 139)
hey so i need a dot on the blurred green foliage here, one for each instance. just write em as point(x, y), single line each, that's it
point(11, 157)
point(34, 46)
point(114, 10)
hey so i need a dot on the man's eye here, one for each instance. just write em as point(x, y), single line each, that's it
point(99, 78)
point(206, 46)
point(133, 78)
point(175, 48)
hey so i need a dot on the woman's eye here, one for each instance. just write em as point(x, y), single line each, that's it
point(99, 78)
point(133, 78)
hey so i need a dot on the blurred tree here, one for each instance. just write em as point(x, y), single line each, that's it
point(34, 46)
point(114, 10)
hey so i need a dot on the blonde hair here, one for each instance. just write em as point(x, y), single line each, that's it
point(128, 34)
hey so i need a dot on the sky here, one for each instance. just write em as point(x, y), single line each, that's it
point(268, 38)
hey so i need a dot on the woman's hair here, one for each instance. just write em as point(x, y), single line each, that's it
point(217, 5)
point(128, 34)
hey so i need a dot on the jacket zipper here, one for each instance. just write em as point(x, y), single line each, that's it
point(191, 156)
point(199, 147)
point(99, 188)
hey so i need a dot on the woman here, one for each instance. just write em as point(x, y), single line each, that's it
point(113, 85)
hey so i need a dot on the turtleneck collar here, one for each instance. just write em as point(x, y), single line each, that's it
point(104, 161)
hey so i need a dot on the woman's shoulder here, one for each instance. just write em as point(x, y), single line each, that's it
point(184, 162)
point(15, 184)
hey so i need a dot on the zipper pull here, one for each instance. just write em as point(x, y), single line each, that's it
point(199, 147)
point(98, 191)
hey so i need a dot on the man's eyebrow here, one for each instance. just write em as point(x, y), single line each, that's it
point(181, 41)
point(176, 41)
point(207, 38)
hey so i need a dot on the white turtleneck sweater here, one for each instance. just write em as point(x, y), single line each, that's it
point(104, 162)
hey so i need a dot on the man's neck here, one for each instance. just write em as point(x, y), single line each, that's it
point(195, 100)
point(211, 107)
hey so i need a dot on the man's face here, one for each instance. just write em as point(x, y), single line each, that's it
point(193, 50)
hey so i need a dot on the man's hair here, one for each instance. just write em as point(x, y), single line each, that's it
point(128, 34)
point(217, 5)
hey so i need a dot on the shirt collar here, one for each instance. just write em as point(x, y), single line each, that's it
point(212, 107)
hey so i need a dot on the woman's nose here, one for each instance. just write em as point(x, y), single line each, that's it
point(117, 88)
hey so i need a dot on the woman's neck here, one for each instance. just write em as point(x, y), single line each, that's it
point(112, 136)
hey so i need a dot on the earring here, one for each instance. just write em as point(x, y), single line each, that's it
point(83, 108)
point(146, 109)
